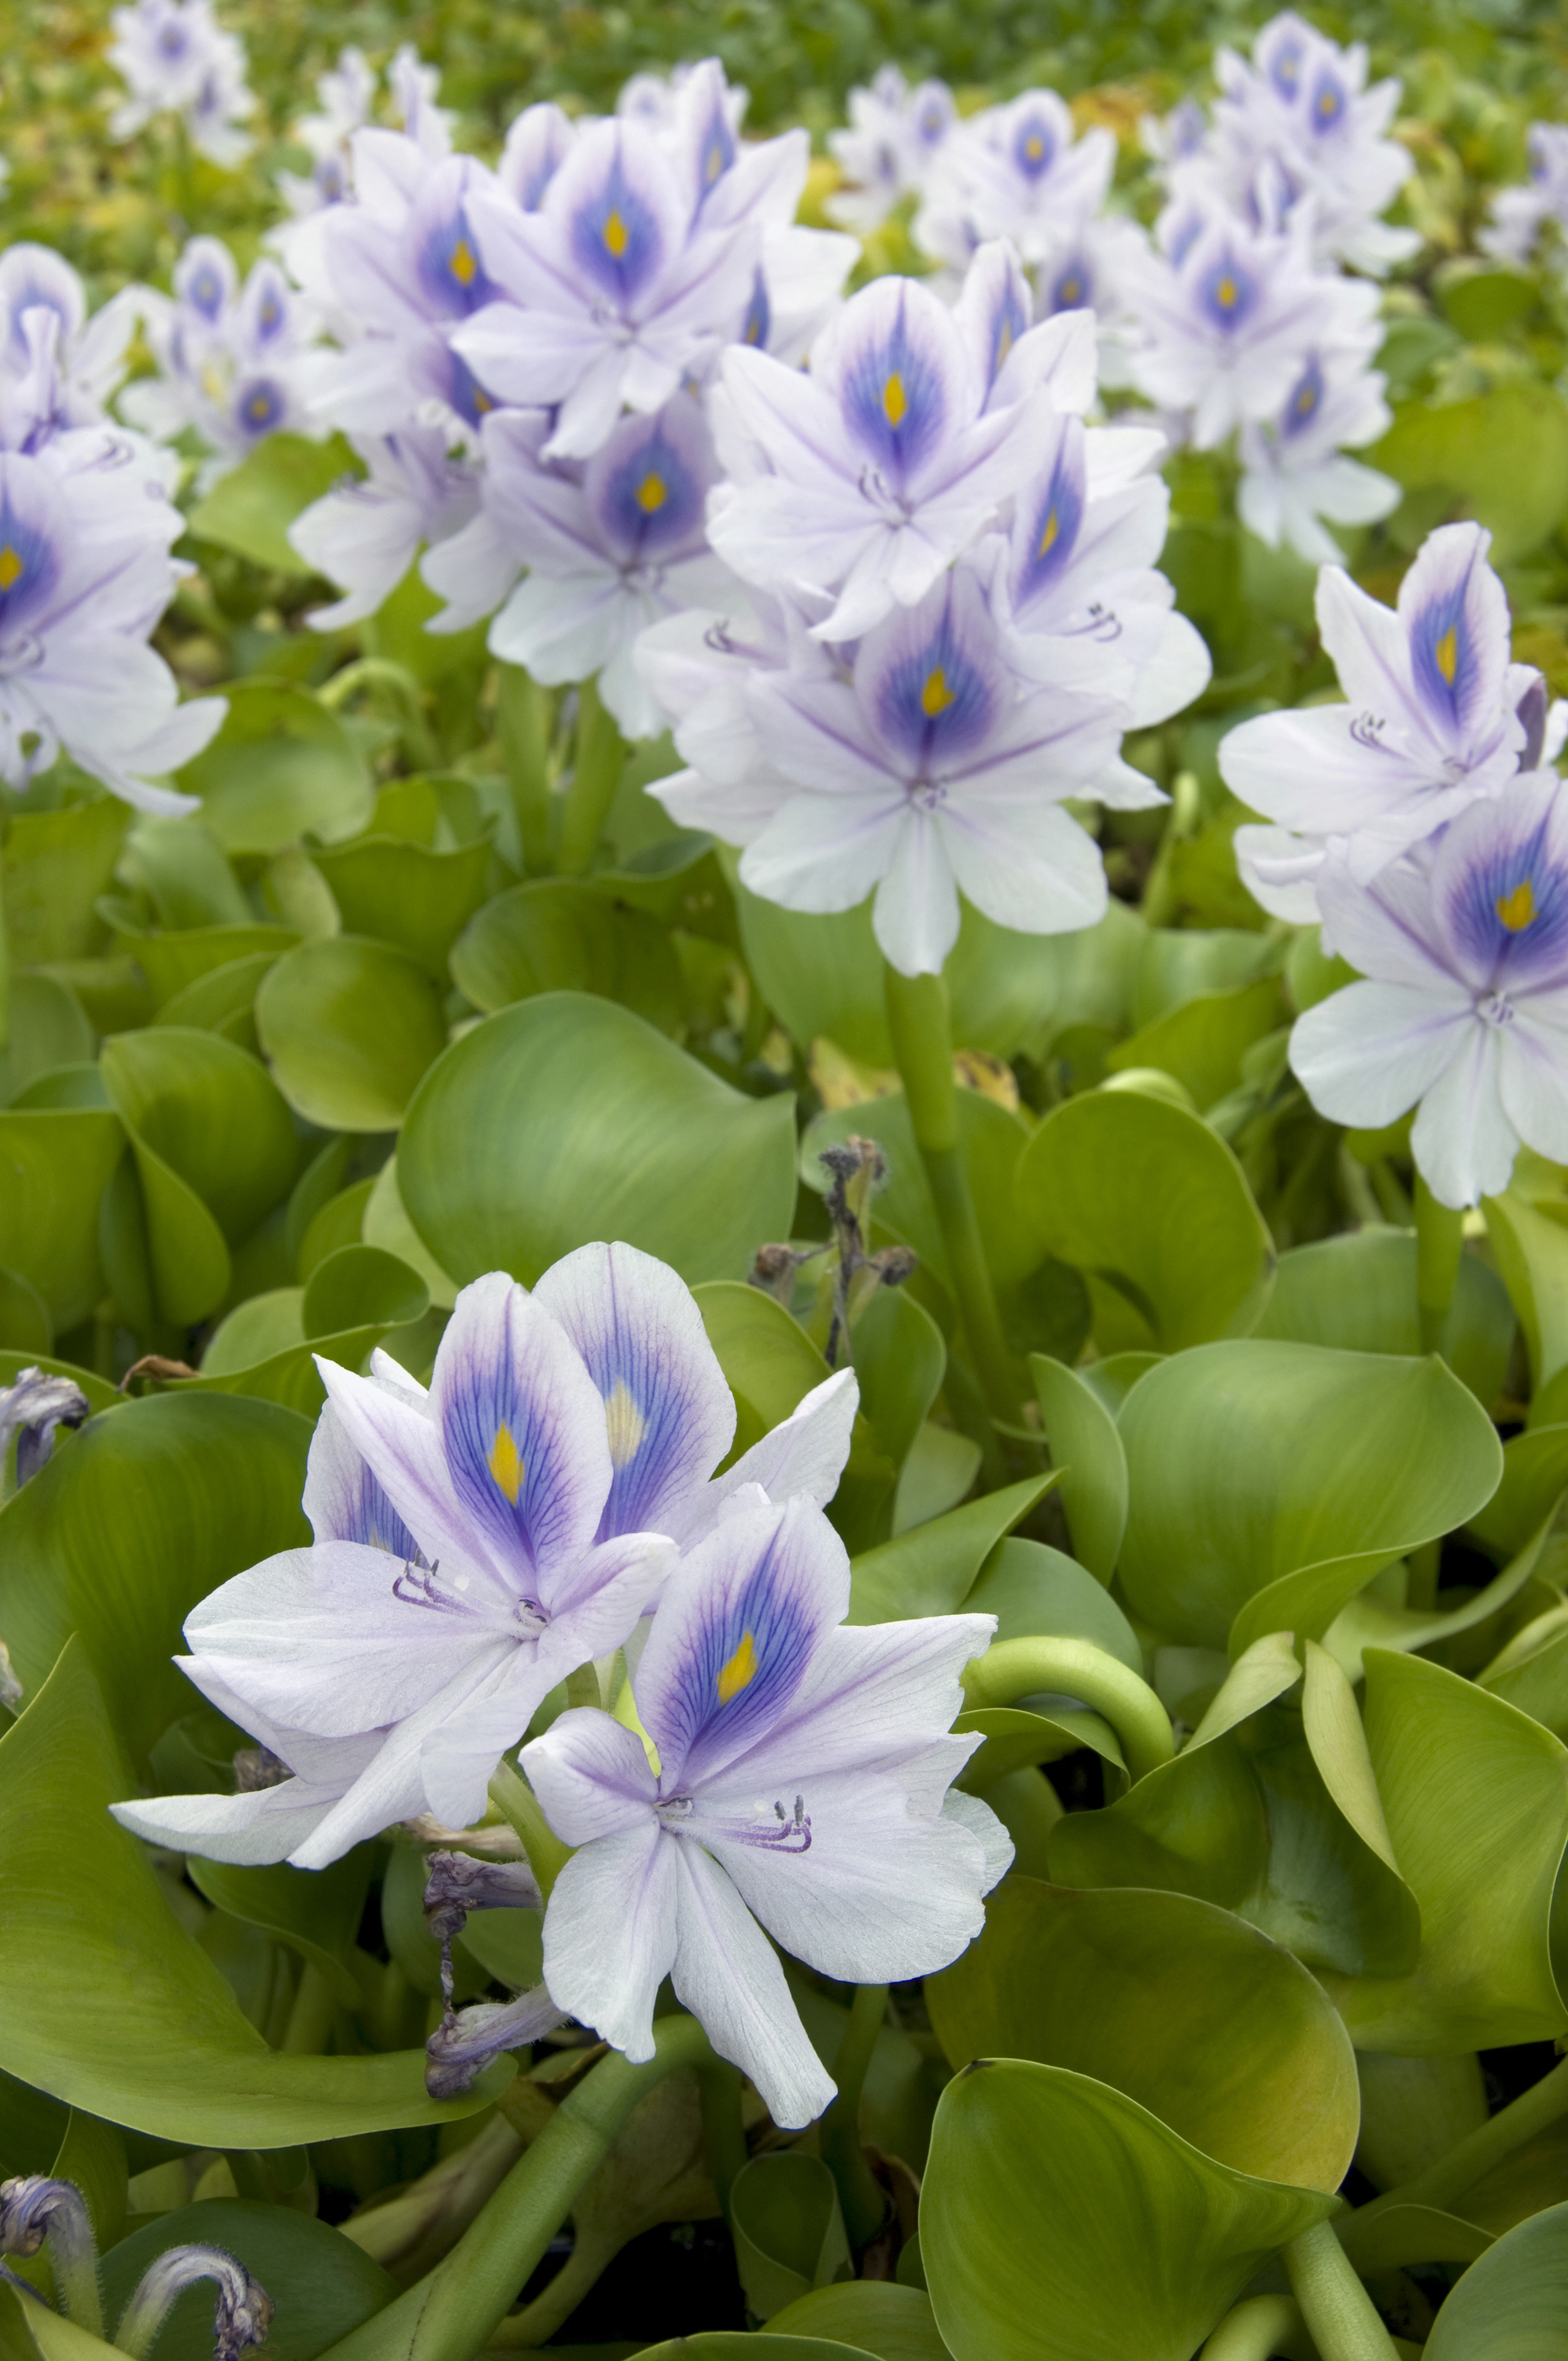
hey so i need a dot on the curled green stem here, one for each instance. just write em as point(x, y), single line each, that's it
point(452, 2313)
point(1256, 2330)
point(1340, 2317)
point(920, 1022)
point(1012, 1669)
point(861, 2195)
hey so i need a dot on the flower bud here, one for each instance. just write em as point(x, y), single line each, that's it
point(241, 2317)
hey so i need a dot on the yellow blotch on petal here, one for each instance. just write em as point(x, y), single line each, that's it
point(624, 1425)
point(1048, 538)
point(11, 567)
point(506, 1464)
point(1034, 147)
point(464, 263)
point(652, 494)
point(1068, 293)
point(936, 697)
point(1446, 653)
point(1226, 292)
point(895, 401)
point(739, 1672)
point(1516, 910)
point(616, 237)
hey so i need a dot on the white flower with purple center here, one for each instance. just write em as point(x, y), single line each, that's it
point(90, 353)
point(1017, 172)
point(868, 477)
point(1076, 584)
point(606, 555)
point(231, 358)
point(366, 532)
point(926, 772)
point(1437, 715)
point(86, 526)
point(345, 93)
point(1294, 471)
point(613, 297)
point(1464, 1010)
point(891, 148)
point(796, 1779)
point(175, 59)
point(1520, 216)
point(1230, 316)
point(475, 1544)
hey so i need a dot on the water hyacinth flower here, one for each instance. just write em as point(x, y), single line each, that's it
point(608, 555)
point(366, 532)
point(889, 149)
point(89, 354)
point(802, 1782)
point(175, 59)
point(1438, 715)
point(1464, 1010)
point(86, 526)
point(343, 94)
point(475, 1544)
point(1519, 216)
point(231, 358)
point(868, 478)
point(1294, 470)
point(1229, 314)
point(610, 294)
point(32, 1407)
point(927, 771)
point(1017, 172)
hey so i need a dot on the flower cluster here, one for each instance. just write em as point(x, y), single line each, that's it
point(1423, 823)
point(229, 356)
point(895, 139)
point(1521, 216)
point(176, 60)
point(549, 1502)
point(86, 528)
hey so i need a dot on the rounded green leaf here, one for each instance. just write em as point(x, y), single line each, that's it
point(55, 1163)
point(320, 2282)
point(361, 1286)
point(1512, 2304)
point(1150, 1201)
point(350, 1027)
point(1535, 1476)
point(176, 964)
point(211, 1114)
point(315, 1912)
point(788, 2228)
point(567, 1119)
point(25, 1324)
point(1532, 1254)
point(254, 1332)
point(1469, 451)
point(1031, 1589)
point(122, 1532)
point(407, 895)
point(48, 1029)
point(769, 1362)
point(931, 1569)
point(1201, 2019)
point(894, 2322)
point(1081, 1436)
point(1358, 1292)
point(556, 934)
point(280, 766)
point(250, 510)
point(1270, 1481)
point(1059, 2221)
point(221, 1001)
point(111, 2004)
point(735, 2345)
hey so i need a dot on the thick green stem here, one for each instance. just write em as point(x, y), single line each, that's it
point(524, 720)
point(1256, 2330)
point(1340, 2317)
point(919, 1021)
point(310, 2018)
point(861, 2195)
point(596, 774)
point(1471, 2159)
point(450, 2314)
point(583, 1686)
point(1440, 1240)
point(1076, 1668)
point(515, 1799)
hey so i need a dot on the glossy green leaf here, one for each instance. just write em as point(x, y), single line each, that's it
point(1061, 2221)
point(280, 766)
point(789, 2232)
point(1469, 449)
point(938, 1474)
point(1081, 1436)
point(268, 1346)
point(896, 2324)
point(55, 865)
point(769, 1362)
point(255, 1331)
point(119, 1536)
point(1203, 1040)
point(221, 1001)
point(315, 1912)
point(25, 1324)
point(1270, 1481)
point(1358, 1292)
point(1532, 1256)
point(931, 1569)
point(579, 1121)
point(48, 1029)
point(1196, 2015)
point(1033, 1589)
point(409, 895)
point(1152, 1203)
point(132, 2018)
point(386, 1225)
point(1535, 1476)
point(719, 2345)
point(320, 2282)
point(1511, 2305)
point(1531, 1672)
point(1480, 1854)
point(350, 1027)
point(250, 510)
point(175, 965)
point(54, 1166)
point(556, 934)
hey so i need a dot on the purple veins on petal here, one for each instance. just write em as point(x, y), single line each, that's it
point(893, 401)
point(1304, 402)
point(1228, 292)
point(29, 566)
point(1443, 653)
point(650, 497)
point(1054, 524)
point(1510, 910)
point(616, 238)
point(746, 1658)
point(759, 320)
point(935, 702)
point(450, 270)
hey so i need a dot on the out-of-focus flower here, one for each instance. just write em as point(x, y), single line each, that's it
point(1437, 716)
point(231, 360)
point(176, 60)
point(1520, 216)
point(1294, 471)
point(891, 148)
point(90, 353)
point(1463, 1014)
point(366, 532)
point(1018, 173)
point(344, 95)
point(803, 1782)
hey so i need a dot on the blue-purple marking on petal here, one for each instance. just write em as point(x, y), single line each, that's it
point(450, 271)
point(1305, 400)
point(29, 568)
point(1072, 289)
point(1033, 147)
point(747, 1659)
point(616, 238)
point(259, 406)
point(1329, 101)
point(1442, 651)
point(894, 400)
point(463, 391)
point(1228, 293)
point(756, 326)
point(1054, 513)
point(1511, 912)
point(938, 702)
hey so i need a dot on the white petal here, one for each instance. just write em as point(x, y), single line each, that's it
point(726, 1972)
point(1366, 1054)
point(610, 1934)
